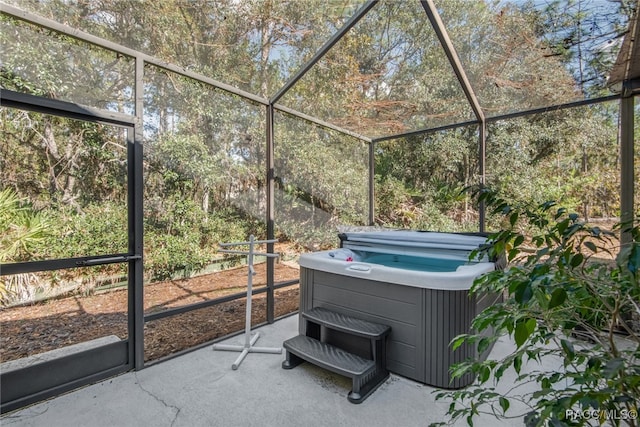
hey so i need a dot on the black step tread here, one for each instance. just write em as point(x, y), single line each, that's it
point(328, 357)
point(348, 324)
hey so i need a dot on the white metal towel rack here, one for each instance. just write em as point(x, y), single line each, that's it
point(249, 341)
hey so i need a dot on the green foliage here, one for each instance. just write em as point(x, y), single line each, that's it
point(100, 228)
point(47, 63)
point(21, 230)
point(569, 157)
point(320, 182)
point(180, 237)
point(170, 253)
point(419, 181)
point(204, 166)
point(562, 304)
point(396, 208)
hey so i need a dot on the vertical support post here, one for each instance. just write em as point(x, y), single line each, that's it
point(372, 182)
point(270, 209)
point(482, 165)
point(626, 165)
point(136, 221)
point(250, 273)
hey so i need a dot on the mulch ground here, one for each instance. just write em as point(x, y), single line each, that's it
point(57, 323)
point(33, 329)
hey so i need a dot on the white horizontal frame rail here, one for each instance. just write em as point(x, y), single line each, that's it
point(249, 341)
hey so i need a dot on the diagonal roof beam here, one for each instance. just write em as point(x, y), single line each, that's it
point(324, 49)
point(627, 67)
point(454, 60)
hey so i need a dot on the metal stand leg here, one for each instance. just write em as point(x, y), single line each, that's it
point(249, 341)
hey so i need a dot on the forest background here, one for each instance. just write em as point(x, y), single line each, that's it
point(63, 183)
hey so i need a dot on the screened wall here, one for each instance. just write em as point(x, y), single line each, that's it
point(137, 136)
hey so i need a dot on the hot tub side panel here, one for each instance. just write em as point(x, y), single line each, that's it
point(448, 314)
point(452, 313)
point(483, 302)
point(398, 306)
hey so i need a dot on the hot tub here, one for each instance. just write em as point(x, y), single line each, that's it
point(416, 282)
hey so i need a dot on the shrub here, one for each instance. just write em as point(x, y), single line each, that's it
point(560, 302)
point(181, 237)
point(21, 230)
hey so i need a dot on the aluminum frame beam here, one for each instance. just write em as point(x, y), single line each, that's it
point(452, 55)
point(136, 223)
point(360, 13)
point(627, 170)
point(425, 131)
point(320, 123)
point(9, 98)
point(270, 209)
point(491, 119)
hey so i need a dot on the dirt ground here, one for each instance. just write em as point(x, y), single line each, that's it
point(57, 323)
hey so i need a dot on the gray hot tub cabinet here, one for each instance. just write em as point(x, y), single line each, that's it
point(423, 321)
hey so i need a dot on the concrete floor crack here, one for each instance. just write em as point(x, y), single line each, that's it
point(160, 400)
point(11, 419)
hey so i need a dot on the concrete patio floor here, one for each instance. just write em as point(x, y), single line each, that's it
point(200, 389)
